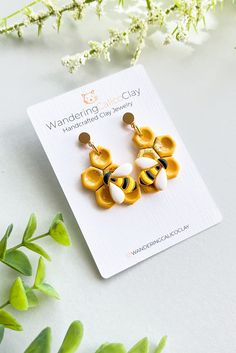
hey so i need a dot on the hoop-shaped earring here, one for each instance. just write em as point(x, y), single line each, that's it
point(111, 183)
point(155, 156)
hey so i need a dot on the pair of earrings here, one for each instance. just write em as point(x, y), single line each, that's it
point(113, 184)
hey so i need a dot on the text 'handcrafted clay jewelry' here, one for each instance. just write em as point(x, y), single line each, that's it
point(110, 182)
point(155, 156)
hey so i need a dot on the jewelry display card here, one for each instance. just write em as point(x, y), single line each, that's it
point(121, 236)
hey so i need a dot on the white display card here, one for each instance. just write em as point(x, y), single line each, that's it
point(121, 236)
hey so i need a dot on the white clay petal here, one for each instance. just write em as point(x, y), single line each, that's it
point(117, 194)
point(161, 180)
point(123, 170)
point(145, 162)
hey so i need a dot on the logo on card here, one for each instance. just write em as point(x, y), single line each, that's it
point(89, 97)
point(95, 107)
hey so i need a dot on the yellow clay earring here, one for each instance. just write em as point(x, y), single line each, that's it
point(111, 183)
point(155, 156)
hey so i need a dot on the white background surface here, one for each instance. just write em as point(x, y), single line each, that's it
point(188, 291)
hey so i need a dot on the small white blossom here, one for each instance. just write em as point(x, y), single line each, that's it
point(138, 19)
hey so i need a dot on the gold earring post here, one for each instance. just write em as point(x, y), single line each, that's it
point(85, 139)
point(128, 118)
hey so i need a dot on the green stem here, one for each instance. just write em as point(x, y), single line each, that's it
point(171, 9)
point(29, 241)
point(5, 304)
point(38, 237)
point(40, 18)
point(15, 247)
point(21, 10)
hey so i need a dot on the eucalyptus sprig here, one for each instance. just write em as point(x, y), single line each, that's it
point(17, 259)
point(73, 338)
point(23, 297)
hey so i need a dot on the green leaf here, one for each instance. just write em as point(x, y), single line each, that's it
point(111, 348)
point(17, 260)
point(8, 321)
point(48, 290)
point(58, 22)
point(3, 247)
point(42, 343)
point(1, 333)
point(59, 233)
point(3, 242)
point(9, 230)
point(38, 249)
point(58, 217)
point(161, 345)
point(140, 347)
point(3, 22)
point(177, 3)
point(39, 278)
point(32, 298)
point(27, 11)
point(18, 297)
point(40, 27)
point(31, 228)
point(40, 274)
point(72, 338)
point(148, 3)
